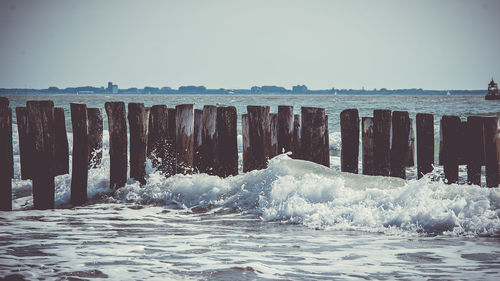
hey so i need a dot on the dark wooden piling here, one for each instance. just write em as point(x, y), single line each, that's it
point(259, 137)
point(490, 125)
point(367, 146)
point(42, 135)
point(247, 156)
point(80, 159)
point(349, 126)
point(399, 148)
point(61, 146)
point(198, 125)
point(227, 141)
point(296, 136)
point(158, 137)
point(425, 143)
point(184, 138)
point(25, 142)
point(285, 128)
point(411, 146)
point(313, 130)
point(451, 143)
point(6, 155)
point(462, 145)
point(326, 144)
point(381, 142)
point(273, 149)
point(117, 126)
point(208, 150)
point(475, 149)
point(138, 120)
point(170, 153)
point(95, 131)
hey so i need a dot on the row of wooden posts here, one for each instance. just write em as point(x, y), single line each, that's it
point(177, 140)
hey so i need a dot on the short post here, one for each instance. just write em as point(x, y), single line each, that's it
point(349, 126)
point(296, 136)
point(475, 149)
point(80, 159)
point(367, 146)
point(42, 135)
point(313, 130)
point(138, 120)
point(411, 146)
point(450, 129)
point(208, 151)
point(117, 126)
point(198, 125)
point(25, 142)
point(247, 156)
point(95, 131)
point(490, 124)
point(425, 144)
point(157, 137)
point(61, 139)
point(285, 128)
point(382, 142)
point(259, 136)
point(399, 149)
point(273, 149)
point(227, 138)
point(6, 155)
point(184, 138)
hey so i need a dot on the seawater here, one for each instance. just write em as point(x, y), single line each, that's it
point(294, 220)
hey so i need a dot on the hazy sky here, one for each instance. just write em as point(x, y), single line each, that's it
point(237, 44)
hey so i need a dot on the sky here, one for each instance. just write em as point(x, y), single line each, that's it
point(430, 44)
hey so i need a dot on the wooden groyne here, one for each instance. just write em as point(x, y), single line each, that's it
point(185, 140)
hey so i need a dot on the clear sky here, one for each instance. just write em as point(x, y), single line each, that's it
point(433, 44)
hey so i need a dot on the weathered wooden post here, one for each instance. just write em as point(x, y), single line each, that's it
point(171, 155)
point(117, 126)
point(411, 146)
point(285, 128)
point(227, 141)
point(208, 151)
point(42, 135)
point(273, 149)
point(313, 130)
point(158, 137)
point(349, 126)
point(475, 149)
point(6, 155)
point(400, 137)
point(490, 124)
point(382, 142)
point(425, 144)
point(80, 159)
point(259, 136)
point(138, 123)
point(198, 125)
point(25, 142)
point(326, 145)
point(247, 156)
point(61, 143)
point(368, 143)
point(185, 138)
point(296, 136)
point(450, 150)
point(95, 130)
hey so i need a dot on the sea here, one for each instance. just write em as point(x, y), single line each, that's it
point(294, 220)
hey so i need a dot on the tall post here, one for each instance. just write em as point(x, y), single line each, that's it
point(6, 155)
point(490, 124)
point(42, 135)
point(185, 138)
point(117, 126)
point(227, 138)
point(80, 159)
point(326, 145)
point(25, 142)
point(313, 130)
point(368, 143)
point(157, 137)
point(475, 149)
point(411, 146)
point(399, 149)
point(450, 129)
point(61, 143)
point(95, 130)
point(171, 156)
point(425, 144)
point(138, 119)
point(208, 151)
point(349, 126)
point(285, 128)
point(296, 136)
point(259, 137)
point(273, 149)
point(198, 125)
point(382, 142)
point(247, 156)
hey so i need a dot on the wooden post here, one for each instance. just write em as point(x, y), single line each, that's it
point(425, 144)
point(273, 149)
point(138, 123)
point(326, 145)
point(368, 142)
point(475, 149)
point(227, 141)
point(450, 129)
point(259, 137)
point(462, 145)
point(6, 155)
point(61, 146)
point(411, 146)
point(25, 142)
point(208, 151)
point(171, 156)
point(42, 135)
point(285, 128)
point(313, 130)
point(247, 156)
point(198, 125)
point(185, 138)
point(349, 126)
point(296, 136)
point(158, 137)
point(490, 124)
point(381, 142)
point(117, 126)
point(399, 149)
point(80, 159)
point(95, 129)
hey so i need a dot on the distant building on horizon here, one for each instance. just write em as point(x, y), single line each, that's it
point(112, 88)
